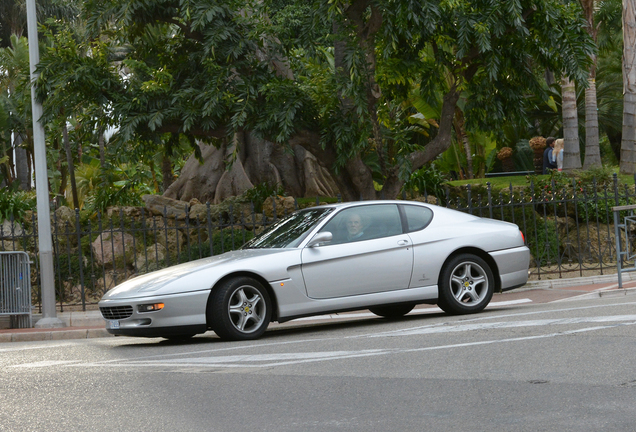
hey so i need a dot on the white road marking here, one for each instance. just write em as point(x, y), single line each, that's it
point(508, 302)
point(264, 344)
point(571, 309)
point(45, 363)
point(503, 325)
point(420, 311)
point(284, 359)
point(259, 360)
point(281, 359)
point(23, 348)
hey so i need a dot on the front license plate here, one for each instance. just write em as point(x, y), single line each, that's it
point(112, 324)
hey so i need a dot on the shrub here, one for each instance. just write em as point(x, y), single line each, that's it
point(15, 203)
point(429, 181)
point(259, 193)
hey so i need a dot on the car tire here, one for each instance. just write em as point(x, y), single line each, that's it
point(466, 285)
point(393, 311)
point(239, 309)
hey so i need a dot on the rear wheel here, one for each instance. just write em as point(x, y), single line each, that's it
point(239, 309)
point(393, 311)
point(466, 285)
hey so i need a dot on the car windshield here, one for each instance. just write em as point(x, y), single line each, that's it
point(288, 232)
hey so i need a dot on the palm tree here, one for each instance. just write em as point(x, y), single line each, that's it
point(571, 152)
point(592, 150)
point(13, 13)
point(629, 87)
point(15, 96)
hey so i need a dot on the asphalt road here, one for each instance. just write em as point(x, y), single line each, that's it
point(566, 366)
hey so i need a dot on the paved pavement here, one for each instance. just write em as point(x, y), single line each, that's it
point(89, 324)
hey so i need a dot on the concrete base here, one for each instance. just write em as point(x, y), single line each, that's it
point(50, 323)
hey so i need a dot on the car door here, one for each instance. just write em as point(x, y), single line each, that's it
point(427, 256)
point(376, 258)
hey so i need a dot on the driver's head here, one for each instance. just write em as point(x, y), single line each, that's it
point(354, 224)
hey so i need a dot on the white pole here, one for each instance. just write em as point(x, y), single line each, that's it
point(49, 312)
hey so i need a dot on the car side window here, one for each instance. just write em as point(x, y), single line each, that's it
point(417, 217)
point(364, 223)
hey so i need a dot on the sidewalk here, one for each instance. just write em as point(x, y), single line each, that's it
point(79, 325)
point(89, 324)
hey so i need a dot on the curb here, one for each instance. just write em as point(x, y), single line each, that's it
point(64, 334)
point(583, 280)
point(76, 319)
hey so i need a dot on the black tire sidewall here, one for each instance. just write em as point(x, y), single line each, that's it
point(219, 316)
point(447, 302)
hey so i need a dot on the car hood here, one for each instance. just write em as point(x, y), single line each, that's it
point(150, 283)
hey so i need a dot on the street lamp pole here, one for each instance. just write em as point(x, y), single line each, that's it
point(49, 312)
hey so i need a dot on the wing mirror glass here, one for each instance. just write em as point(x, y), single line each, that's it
point(321, 237)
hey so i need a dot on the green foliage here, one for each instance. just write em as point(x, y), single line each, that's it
point(541, 235)
point(598, 176)
point(14, 203)
point(123, 185)
point(428, 180)
point(259, 193)
point(210, 70)
point(523, 156)
point(116, 195)
point(67, 269)
point(556, 183)
point(585, 196)
point(15, 101)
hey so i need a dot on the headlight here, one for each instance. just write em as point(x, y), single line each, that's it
point(150, 307)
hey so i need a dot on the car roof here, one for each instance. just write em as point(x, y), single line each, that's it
point(370, 202)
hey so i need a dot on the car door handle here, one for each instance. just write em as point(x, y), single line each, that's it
point(403, 242)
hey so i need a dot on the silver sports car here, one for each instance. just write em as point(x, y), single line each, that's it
point(385, 256)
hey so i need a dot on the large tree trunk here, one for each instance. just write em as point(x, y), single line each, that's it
point(629, 87)
point(355, 179)
point(462, 137)
point(23, 169)
point(571, 152)
point(62, 167)
point(592, 150)
point(166, 163)
point(257, 161)
point(166, 172)
point(71, 165)
point(102, 149)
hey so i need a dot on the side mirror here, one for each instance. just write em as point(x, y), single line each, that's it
point(322, 237)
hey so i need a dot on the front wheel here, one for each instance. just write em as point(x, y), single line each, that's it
point(466, 285)
point(239, 309)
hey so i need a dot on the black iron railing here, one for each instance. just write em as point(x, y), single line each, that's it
point(569, 229)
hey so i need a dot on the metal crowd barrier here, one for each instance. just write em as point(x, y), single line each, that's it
point(624, 249)
point(15, 288)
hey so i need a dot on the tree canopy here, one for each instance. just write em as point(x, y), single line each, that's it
point(370, 87)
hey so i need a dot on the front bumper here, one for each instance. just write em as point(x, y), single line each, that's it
point(182, 313)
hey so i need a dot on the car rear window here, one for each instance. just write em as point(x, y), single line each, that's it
point(417, 217)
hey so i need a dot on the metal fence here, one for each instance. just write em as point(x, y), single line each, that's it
point(568, 227)
point(625, 233)
point(15, 288)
